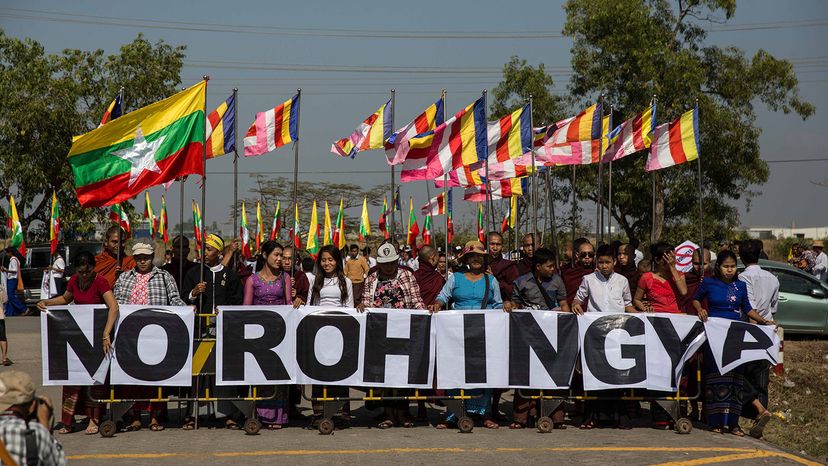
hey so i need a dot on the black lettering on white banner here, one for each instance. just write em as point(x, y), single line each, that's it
point(676, 347)
point(178, 345)
point(525, 333)
point(235, 344)
point(594, 347)
point(63, 331)
point(306, 333)
point(378, 345)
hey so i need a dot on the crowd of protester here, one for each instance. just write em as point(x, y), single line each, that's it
point(609, 278)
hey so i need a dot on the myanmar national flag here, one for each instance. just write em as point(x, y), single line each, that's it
point(339, 227)
point(54, 224)
point(312, 245)
point(277, 221)
point(244, 233)
point(364, 221)
point(141, 149)
point(295, 233)
point(382, 221)
point(17, 240)
point(119, 216)
point(327, 236)
point(413, 228)
point(481, 231)
point(427, 230)
point(162, 224)
point(150, 215)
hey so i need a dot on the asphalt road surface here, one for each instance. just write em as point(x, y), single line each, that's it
point(364, 444)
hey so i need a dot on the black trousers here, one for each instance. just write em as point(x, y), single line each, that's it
point(757, 378)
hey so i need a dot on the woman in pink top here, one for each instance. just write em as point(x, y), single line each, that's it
point(663, 285)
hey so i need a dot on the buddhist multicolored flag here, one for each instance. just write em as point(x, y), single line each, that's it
point(339, 227)
point(499, 190)
point(463, 177)
point(510, 219)
point(427, 230)
point(119, 216)
point(435, 206)
point(295, 232)
point(397, 151)
point(163, 223)
point(54, 224)
point(631, 136)
point(413, 228)
point(259, 227)
point(370, 134)
point(364, 221)
point(396, 205)
point(198, 227)
point(273, 128)
point(511, 136)
point(277, 222)
point(312, 245)
point(675, 142)
point(566, 145)
point(221, 128)
point(327, 234)
point(150, 215)
point(156, 144)
point(16, 228)
point(244, 233)
point(460, 141)
point(512, 168)
point(382, 221)
point(481, 229)
point(113, 111)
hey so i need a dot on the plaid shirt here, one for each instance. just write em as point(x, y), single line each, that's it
point(161, 287)
point(408, 284)
point(13, 436)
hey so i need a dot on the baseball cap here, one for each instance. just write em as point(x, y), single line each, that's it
point(142, 248)
point(387, 253)
point(15, 388)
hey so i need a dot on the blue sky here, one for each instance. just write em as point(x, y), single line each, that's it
point(252, 56)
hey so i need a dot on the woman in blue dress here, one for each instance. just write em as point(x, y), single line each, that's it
point(468, 291)
point(727, 298)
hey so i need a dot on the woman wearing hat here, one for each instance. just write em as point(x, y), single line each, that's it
point(472, 289)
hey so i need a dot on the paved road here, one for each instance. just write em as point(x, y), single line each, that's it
point(362, 445)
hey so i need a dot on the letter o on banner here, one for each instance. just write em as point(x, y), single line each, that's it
point(126, 345)
point(306, 333)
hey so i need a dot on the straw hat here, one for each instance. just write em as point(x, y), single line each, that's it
point(817, 244)
point(473, 247)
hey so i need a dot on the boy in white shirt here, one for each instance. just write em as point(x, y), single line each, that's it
point(604, 290)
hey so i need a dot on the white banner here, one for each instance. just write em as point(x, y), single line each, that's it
point(72, 345)
point(153, 346)
point(472, 349)
point(734, 342)
point(671, 339)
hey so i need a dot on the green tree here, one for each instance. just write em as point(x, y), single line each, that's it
point(45, 99)
point(631, 50)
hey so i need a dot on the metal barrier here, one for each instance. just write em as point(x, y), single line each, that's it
point(331, 404)
point(202, 390)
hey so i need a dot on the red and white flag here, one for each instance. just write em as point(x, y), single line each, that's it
point(436, 206)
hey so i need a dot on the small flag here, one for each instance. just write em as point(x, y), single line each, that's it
point(675, 142)
point(259, 227)
point(273, 128)
point(449, 222)
point(244, 233)
point(162, 224)
point(313, 233)
point(295, 232)
point(511, 136)
point(511, 216)
point(436, 206)
point(413, 228)
point(499, 190)
point(631, 136)
point(198, 228)
point(277, 222)
point(327, 234)
point(364, 221)
point(370, 134)
point(383, 227)
point(113, 111)
point(221, 129)
point(339, 227)
point(427, 230)
point(396, 207)
point(396, 149)
point(150, 215)
point(481, 231)
point(54, 224)
point(119, 216)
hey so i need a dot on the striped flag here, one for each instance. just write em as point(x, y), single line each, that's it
point(510, 219)
point(364, 221)
point(16, 227)
point(631, 136)
point(116, 214)
point(435, 206)
point(413, 228)
point(150, 216)
point(339, 227)
point(312, 245)
point(543, 134)
point(500, 190)
point(370, 134)
point(567, 140)
point(327, 235)
point(463, 177)
point(449, 222)
point(113, 111)
point(295, 232)
point(396, 151)
point(460, 141)
point(221, 128)
point(427, 230)
point(198, 227)
point(382, 221)
point(481, 230)
point(259, 227)
point(277, 222)
point(244, 233)
point(273, 128)
point(675, 142)
point(396, 206)
point(512, 168)
point(576, 152)
point(163, 223)
point(54, 224)
point(511, 136)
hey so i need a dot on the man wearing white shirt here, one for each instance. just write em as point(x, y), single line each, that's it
point(763, 294)
point(821, 261)
point(604, 290)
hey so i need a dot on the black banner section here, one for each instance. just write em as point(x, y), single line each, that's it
point(178, 345)
point(63, 331)
point(474, 347)
point(306, 333)
point(236, 345)
point(378, 345)
point(525, 333)
point(594, 348)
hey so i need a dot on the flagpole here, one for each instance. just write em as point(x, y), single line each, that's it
point(652, 177)
point(120, 236)
point(296, 158)
point(489, 207)
point(609, 189)
point(701, 210)
point(534, 197)
point(393, 172)
point(552, 211)
point(203, 185)
point(574, 207)
point(445, 182)
point(235, 162)
point(181, 230)
point(599, 208)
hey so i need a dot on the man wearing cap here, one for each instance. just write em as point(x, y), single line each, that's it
point(820, 261)
point(390, 285)
point(25, 422)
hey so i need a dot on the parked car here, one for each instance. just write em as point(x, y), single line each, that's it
point(39, 257)
point(803, 300)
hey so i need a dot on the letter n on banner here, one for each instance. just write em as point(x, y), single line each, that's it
point(473, 349)
point(613, 354)
point(256, 345)
point(153, 346)
point(543, 349)
point(72, 345)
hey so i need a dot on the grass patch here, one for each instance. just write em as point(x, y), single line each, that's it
point(805, 403)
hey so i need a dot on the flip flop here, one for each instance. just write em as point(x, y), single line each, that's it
point(156, 427)
point(516, 426)
point(7, 362)
point(385, 425)
point(489, 424)
point(758, 428)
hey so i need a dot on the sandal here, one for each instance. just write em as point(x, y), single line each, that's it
point(559, 426)
point(135, 426)
point(271, 426)
point(516, 426)
point(758, 428)
point(232, 425)
point(489, 424)
point(156, 427)
point(65, 430)
point(7, 362)
point(408, 424)
point(189, 424)
point(737, 431)
point(92, 428)
point(587, 425)
point(716, 430)
point(444, 426)
point(387, 424)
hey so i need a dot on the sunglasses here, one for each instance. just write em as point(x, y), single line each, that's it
point(586, 254)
